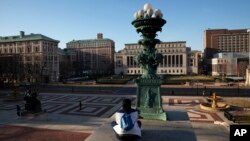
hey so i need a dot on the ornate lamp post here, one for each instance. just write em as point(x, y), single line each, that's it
point(149, 103)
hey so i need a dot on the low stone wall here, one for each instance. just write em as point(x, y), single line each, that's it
point(238, 116)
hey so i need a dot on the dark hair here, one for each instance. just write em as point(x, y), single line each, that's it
point(126, 105)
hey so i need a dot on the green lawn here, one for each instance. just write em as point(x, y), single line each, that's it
point(190, 78)
point(175, 79)
point(115, 79)
point(245, 103)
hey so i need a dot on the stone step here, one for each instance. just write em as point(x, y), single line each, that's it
point(151, 130)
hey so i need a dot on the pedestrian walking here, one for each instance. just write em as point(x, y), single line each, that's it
point(172, 92)
point(80, 105)
point(211, 93)
point(18, 110)
point(204, 93)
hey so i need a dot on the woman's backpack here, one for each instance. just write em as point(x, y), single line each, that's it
point(126, 122)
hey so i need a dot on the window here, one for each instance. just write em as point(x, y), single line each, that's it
point(177, 60)
point(28, 49)
point(37, 49)
point(173, 61)
point(181, 59)
point(169, 60)
point(37, 58)
point(28, 58)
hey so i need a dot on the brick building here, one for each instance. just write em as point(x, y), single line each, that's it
point(224, 40)
point(95, 56)
point(37, 54)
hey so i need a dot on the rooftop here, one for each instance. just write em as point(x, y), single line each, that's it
point(225, 29)
point(23, 37)
point(90, 40)
point(160, 43)
point(98, 39)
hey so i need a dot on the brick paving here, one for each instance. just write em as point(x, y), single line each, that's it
point(20, 133)
point(92, 105)
point(106, 105)
point(191, 105)
point(66, 121)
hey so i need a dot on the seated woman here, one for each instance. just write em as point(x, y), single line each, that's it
point(127, 134)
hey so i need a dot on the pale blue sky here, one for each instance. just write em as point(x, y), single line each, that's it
point(66, 20)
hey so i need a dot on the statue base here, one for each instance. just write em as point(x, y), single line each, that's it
point(149, 102)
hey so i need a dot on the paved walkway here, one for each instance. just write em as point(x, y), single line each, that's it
point(186, 120)
point(21, 133)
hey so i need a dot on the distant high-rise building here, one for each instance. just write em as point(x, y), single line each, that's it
point(224, 40)
point(176, 56)
point(95, 56)
point(36, 52)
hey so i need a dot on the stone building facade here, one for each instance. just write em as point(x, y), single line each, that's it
point(96, 56)
point(196, 62)
point(175, 61)
point(38, 54)
point(230, 64)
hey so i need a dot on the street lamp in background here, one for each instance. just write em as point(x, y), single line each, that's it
point(197, 88)
point(247, 83)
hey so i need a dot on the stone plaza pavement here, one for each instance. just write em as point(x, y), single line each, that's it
point(185, 120)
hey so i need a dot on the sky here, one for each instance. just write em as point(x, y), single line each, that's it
point(66, 20)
